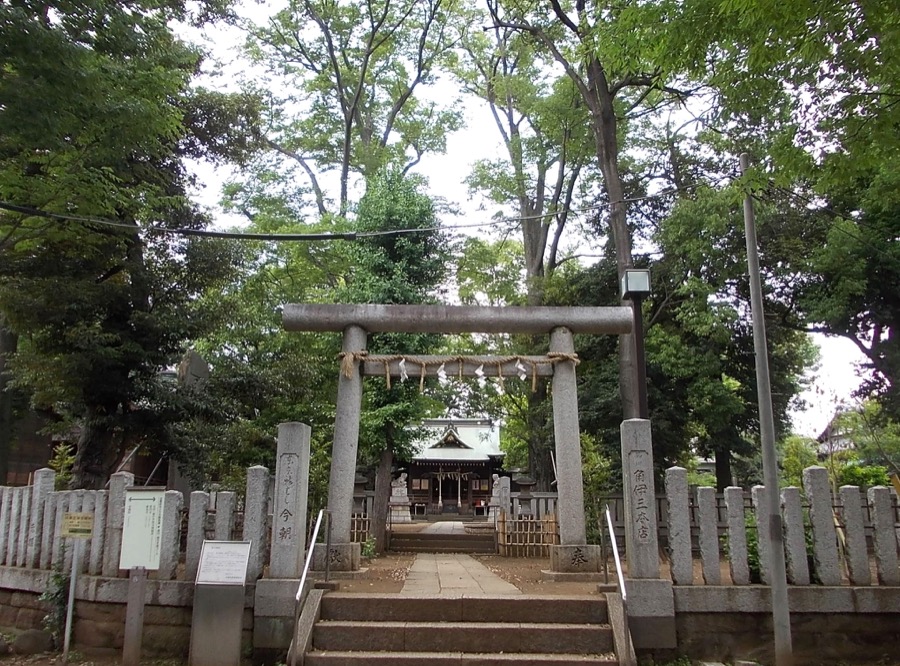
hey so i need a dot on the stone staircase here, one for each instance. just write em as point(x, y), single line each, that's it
point(423, 542)
point(376, 629)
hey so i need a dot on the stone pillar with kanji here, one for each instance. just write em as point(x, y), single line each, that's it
point(651, 601)
point(291, 490)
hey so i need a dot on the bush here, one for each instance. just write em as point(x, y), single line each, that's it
point(752, 536)
point(865, 476)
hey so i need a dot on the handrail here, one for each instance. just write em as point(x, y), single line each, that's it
point(615, 550)
point(626, 654)
point(309, 554)
point(292, 648)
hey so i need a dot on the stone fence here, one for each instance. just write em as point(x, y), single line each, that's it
point(824, 537)
point(616, 505)
point(31, 519)
point(847, 538)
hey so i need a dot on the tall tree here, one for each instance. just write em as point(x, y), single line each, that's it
point(95, 302)
point(811, 91)
point(405, 261)
point(353, 72)
point(542, 122)
point(610, 51)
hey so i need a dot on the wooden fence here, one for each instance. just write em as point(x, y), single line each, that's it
point(526, 536)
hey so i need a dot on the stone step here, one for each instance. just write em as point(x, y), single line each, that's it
point(442, 547)
point(438, 536)
point(502, 637)
point(443, 543)
point(345, 658)
point(572, 609)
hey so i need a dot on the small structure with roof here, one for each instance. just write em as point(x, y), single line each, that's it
point(453, 467)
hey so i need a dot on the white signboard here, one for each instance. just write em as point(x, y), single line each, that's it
point(142, 532)
point(223, 562)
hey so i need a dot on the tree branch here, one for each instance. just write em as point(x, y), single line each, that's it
point(562, 16)
point(314, 182)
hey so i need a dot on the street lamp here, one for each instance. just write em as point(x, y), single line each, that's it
point(636, 285)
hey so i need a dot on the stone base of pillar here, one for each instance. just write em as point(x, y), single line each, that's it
point(651, 613)
point(400, 513)
point(273, 612)
point(341, 557)
point(575, 559)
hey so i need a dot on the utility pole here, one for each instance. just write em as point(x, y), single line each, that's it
point(781, 615)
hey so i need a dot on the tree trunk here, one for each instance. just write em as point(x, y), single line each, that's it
point(605, 128)
point(97, 453)
point(540, 439)
point(378, 522)
point(723, 469)
point(9, 342)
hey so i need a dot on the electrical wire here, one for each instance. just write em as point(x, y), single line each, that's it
point(310, 237)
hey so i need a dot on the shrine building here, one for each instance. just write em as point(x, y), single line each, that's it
point(453, 467)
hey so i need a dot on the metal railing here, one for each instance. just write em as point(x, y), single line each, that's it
point(615, 550)
point(292, 656)
point(627, 647)
point(312, 545)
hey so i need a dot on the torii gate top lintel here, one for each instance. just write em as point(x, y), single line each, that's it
point(321, 317)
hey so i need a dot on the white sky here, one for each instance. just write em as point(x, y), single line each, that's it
point(834, 380)
point(833, 384)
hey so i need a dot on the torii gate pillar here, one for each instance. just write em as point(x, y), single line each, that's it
point(573, 555)
point(345, 555)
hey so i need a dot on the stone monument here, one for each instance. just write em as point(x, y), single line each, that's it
point(399, 502)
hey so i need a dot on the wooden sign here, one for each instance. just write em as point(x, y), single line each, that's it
point(77, 525)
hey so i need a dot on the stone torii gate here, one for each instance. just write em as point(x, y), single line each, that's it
point(573, 555)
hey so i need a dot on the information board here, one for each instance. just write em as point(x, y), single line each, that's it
point(142, 531)
point(223, 563)
point(77, 525)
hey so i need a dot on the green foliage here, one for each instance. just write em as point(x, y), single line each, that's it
point(596, 471)
point(401, 268)
point(56, 596)
point(368, 548)
point(344, 90)
point(752, 536)
point(796, 454)
point(490, 273)
point(874, 432)
point(701, 377)
point(753, 561)
point(854, 474)
point(94, 124)
point(699, 478)
point(61, 462)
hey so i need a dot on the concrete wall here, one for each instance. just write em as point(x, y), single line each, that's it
point(99, 620)
point(828, 624)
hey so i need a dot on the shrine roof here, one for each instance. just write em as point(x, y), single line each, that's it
point(463, 440)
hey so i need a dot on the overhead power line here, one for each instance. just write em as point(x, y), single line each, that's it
point(310, 237)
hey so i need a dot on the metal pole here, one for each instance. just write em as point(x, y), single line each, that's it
point(134, 617)
point(639, 361)
point(150, 478)
point(70, 607)
point(781, 616)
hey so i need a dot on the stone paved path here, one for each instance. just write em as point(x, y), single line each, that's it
point(445, 527)
point(453, 574)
